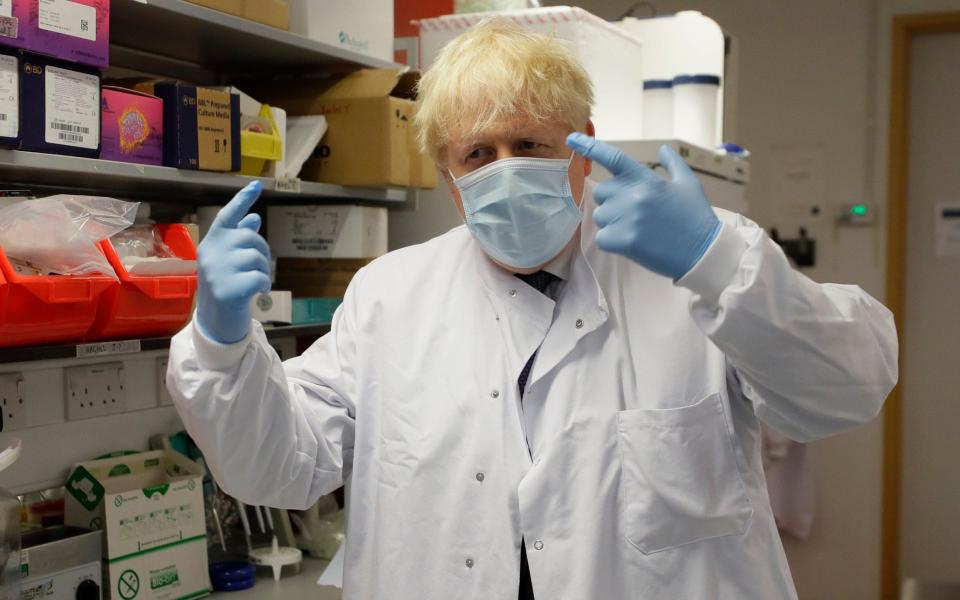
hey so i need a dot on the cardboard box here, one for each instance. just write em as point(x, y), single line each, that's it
point(9, 99)
point(150, 508)
point(60, 111)
point(275, 13)
point(132, 126)
point(73, 30)
point(313, 311)
point(333, 231)
point(364, 27)
point(317, 277)
point(370, 139)
point(201, 126)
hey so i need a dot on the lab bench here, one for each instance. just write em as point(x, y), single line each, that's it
point(290, 587)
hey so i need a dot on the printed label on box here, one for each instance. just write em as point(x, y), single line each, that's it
point(6, 8)
point(69, 18)
point(9, 97)
point(73, 108)
point(214, 137)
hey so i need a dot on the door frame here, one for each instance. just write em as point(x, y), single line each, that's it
point(905, 29)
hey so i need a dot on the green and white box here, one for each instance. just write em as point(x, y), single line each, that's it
point(150, 506)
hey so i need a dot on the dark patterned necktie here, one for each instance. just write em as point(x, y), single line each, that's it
point(539, 280)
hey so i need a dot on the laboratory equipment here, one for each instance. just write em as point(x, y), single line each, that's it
point(61, 563)
point(9, 530)
point(658, 108)
point(276, 557)
point(695, 109)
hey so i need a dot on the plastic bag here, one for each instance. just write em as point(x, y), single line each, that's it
point(59, 234)
point(142, 251)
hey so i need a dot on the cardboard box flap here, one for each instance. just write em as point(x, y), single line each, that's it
point(367, 83)
point(124, 90)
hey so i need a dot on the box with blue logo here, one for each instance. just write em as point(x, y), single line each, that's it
point(61, 107)
point(201, 126)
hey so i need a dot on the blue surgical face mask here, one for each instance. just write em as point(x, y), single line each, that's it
point(520, 210)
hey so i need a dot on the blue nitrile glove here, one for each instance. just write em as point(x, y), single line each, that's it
point(233, 267)
point(665, 226)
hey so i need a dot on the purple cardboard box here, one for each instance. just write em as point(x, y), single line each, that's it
point(132, 126)
point(73, 30)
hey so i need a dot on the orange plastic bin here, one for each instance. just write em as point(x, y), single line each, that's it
point(147, 306)
point(46, 309)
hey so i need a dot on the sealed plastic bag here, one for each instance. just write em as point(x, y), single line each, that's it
point(59, 234)
point(142, 251)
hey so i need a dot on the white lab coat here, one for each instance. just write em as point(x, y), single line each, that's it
point(644, 479)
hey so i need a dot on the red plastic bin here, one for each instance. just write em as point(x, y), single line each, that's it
point(47, 309)
point(147, 305)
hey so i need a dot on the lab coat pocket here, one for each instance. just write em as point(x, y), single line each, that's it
point(679, 477)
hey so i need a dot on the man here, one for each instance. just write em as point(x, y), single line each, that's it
point(562, 405)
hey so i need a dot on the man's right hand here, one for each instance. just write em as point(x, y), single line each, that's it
point(233, 267)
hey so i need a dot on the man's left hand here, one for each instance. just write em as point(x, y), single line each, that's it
point(664, 225)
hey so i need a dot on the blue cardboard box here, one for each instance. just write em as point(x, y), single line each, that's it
point(201, 127)
point(9, 99)
point(60, 107)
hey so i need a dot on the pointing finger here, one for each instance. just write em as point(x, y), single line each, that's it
point(231, 214)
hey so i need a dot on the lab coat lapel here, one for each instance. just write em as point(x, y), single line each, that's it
point(582, 309)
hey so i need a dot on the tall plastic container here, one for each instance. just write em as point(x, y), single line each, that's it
point(658, 109)
point(695, 109)
point(9, 530)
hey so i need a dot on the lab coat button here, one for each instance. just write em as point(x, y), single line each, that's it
point(469, 563)
point(480, 477)
point(538, 545)
point(495, 394)
point(512, 293)
point(579, 323)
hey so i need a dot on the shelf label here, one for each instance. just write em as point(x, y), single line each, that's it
point(287, 184)
point(105, 348)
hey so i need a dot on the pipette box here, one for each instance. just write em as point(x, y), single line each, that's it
point(73, 30)
point(60, 107)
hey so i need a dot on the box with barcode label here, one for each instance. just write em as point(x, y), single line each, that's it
point(60, 109)
point(150, 508)
point(73, 30)
point(9, 99)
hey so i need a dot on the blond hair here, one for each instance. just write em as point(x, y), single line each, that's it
point(496, 71)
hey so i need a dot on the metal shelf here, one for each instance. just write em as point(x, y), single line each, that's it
point(221, 42)
point(126, 347)
point(113, 178)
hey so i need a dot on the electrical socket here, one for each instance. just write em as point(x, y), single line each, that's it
point(12, 403)
point(162, 394)
point(95, 391)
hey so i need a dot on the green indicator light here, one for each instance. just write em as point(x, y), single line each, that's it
point(858, 210)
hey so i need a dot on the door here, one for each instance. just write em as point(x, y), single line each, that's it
point(930, 493)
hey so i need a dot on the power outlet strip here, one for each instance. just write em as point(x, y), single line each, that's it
point(12, 404)
point(95, 391)
point(162, 393)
